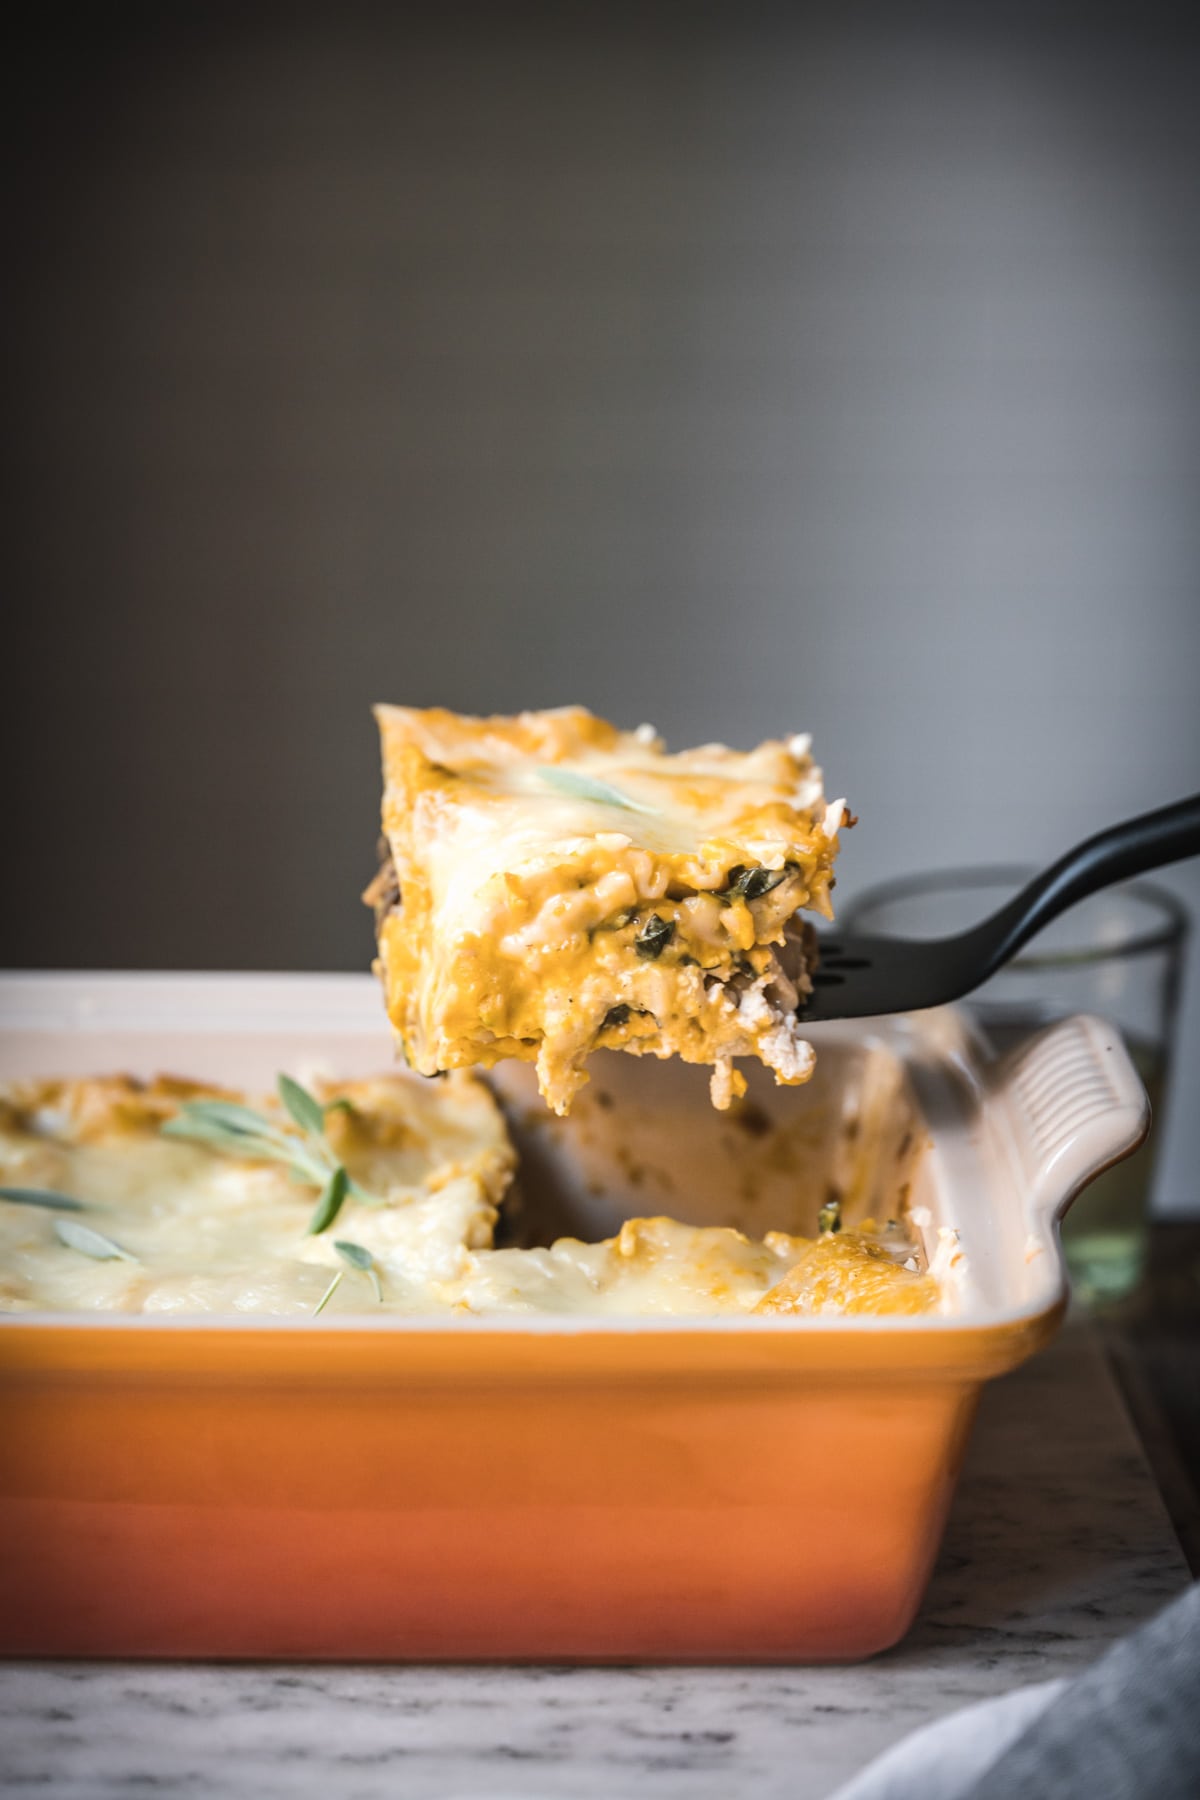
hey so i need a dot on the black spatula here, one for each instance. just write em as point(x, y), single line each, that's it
point(859, 977)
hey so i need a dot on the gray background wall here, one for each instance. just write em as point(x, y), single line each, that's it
point(722, 366)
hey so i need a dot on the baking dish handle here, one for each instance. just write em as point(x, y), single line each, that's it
point(1075, 1104)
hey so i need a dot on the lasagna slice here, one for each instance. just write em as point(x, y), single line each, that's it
point(552, 885)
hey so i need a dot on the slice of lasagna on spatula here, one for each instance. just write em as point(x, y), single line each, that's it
point(552, 885)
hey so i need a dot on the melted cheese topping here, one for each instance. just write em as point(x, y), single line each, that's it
point(554, 885)
point(660, 1266)
point(207, 1232)
point(211, 1232)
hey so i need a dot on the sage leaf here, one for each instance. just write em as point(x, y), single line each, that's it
point(225, 1115)
point(42, 1197)
point(579, 786)
point(330, 1204)
point(222, 1125)
point(654, 937)
point(328, 1294)
point(240, 1131)
point(89, 1242)
point(307, 1112)
point(359, 1257)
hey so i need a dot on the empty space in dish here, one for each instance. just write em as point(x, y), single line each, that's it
point(642, 1140)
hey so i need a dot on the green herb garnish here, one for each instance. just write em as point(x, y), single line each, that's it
point(359, 1257)
point(829, 1218)
point(305, 1109)
point(355, 1256)
point(42, 1197)
point(654, 937)
point(752, 884)
point(223, 1125)
point(89, 1242)
point(587, 787)
point(309, 1159)
point(327, 1296)
point(330, 1204)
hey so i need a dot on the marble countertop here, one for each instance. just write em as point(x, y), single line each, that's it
point(1057, 1544)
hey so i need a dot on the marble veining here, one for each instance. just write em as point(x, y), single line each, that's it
point(1058, 1543)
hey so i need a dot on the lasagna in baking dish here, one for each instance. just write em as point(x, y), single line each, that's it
point(551, 885)
point(360, 1197)
point(173, 1197)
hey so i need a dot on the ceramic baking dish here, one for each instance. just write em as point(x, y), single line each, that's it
point(757, 1489)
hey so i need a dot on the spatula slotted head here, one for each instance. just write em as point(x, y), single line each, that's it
point(863, 977)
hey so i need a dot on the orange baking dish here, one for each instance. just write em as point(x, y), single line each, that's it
point(757, 1489)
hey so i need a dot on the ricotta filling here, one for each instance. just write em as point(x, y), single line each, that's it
point(734, 1006)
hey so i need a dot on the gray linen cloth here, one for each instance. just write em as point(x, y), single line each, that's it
point(1129, 1727)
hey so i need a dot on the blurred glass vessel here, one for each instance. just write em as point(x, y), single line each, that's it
point(1120, 955)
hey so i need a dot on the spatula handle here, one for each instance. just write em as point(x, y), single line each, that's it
point(1150, 841)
